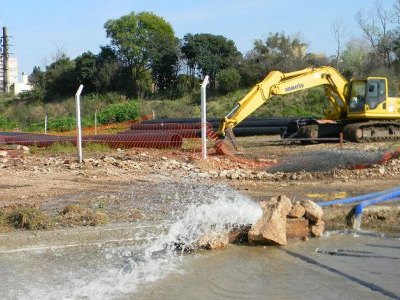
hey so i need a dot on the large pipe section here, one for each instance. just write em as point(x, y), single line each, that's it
point(159, 140)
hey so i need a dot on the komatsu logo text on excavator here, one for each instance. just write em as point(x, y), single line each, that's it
point(294, 87)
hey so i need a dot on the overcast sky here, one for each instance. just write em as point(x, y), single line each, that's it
point(39, 28)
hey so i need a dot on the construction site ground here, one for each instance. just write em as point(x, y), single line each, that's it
point(136, 184)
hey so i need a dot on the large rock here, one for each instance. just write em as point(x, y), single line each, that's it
point(314, 212)
point(271, 227)
point(297, 211)
point(213, 241)
point(239, 235)
point(297, 228)
point(318, 229)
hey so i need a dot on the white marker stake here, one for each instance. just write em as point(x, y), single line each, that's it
point(78, 122)
point(203, 119)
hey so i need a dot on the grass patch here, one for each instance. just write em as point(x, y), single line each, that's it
point(97, 148)
point(75, 215)
point(62, 148)
point(29, 218)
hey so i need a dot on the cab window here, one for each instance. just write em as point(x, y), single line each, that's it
point(357, 96)
point(376, 93)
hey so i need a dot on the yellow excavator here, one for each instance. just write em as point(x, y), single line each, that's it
point(362, 109)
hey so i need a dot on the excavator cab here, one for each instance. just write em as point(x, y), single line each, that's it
point(366, 95)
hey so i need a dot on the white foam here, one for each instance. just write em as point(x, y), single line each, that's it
point(159, 257)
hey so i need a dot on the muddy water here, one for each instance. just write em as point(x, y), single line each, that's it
point(139, 261)
point(341, 267)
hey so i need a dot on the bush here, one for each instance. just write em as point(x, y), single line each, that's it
point(78, 216)
point(29, 218)
point(228, 80)
point(62, 124)
point(184, 85)
point(118, 112)
point(5, 123)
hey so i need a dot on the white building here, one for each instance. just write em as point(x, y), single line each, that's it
point(14, 86)
point(19, 87)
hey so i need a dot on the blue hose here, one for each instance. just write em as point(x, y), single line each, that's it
point(392, 196)
point(366, 197)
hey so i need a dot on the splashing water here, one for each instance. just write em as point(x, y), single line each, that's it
point(158, 257)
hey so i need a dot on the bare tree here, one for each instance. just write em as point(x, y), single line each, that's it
point(396, 11)
point(339, 32)
point(377, 32)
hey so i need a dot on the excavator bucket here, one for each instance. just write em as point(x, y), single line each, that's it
point(228, 145)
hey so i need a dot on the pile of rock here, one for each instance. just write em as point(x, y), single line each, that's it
point(281, 220)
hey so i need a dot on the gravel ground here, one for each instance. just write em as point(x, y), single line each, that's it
point(132, 184)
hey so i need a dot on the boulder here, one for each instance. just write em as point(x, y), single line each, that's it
point(318, 229)
point(297, 228)
point(271, 227)
point(239, 235)
point(314, 212)
point(297, 211)
point(211, 241)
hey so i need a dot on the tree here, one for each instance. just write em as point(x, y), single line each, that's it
point(138, 40)
point(107, 67)
point(355, 58)
point(376, 29)
point(280, 52)
point(85, 70)
point(207, 54)
point(165, 65)
point(339, 31)
point(60, 79)
point(277, 52)
point(228, 80)
point(37, 79)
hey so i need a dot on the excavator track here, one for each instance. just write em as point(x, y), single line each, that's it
point(372, 132)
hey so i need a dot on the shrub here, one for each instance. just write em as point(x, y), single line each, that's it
point(62, 124)
point(5, 123)
point(28, 218)
point(79, 216)
point(118, 112)
point(228, 80)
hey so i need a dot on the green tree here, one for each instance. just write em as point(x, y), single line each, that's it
point(281, 52)
point(207, 54)
point(228, 80)
point(37, 79)
point(108, 68)
point(85, 70)
point(139, 40)
point(60, 79)
point(165, 65)
point(277, 52)
point(354, 58)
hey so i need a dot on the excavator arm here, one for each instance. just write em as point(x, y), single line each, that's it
point(278, 83)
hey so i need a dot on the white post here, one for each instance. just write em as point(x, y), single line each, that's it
point(95, 122)
point(45, 124)
point(78, 122)
point(203, 119)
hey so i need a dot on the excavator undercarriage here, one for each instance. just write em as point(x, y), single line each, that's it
point(359, 132)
